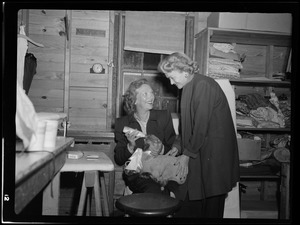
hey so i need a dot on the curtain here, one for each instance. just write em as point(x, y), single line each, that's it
point(154, 32)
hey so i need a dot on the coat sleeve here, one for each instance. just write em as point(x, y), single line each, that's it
point(177, 144)
point(202, 108)
point(121, 153)
point(169, 132)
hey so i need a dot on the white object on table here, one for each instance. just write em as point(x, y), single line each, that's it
point(93, 164)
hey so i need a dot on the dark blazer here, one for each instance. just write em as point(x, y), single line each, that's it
point(160, 124)
point(209, 138)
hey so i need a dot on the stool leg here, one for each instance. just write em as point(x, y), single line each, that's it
point(104, 193)
point(97, 195)
point(82, 198)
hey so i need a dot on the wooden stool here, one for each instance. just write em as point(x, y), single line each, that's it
point(94, 164)
point(148, 204)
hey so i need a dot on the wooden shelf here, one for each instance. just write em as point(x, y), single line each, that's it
point(264, 61)
point(249, 37)
point(264, 130)
point(261, 82)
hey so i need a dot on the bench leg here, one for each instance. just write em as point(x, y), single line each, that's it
point(111, 190)
point(82, 198)
point(97, 195)
point(104, 194)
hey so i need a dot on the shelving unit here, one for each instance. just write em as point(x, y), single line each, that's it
point(266, 53)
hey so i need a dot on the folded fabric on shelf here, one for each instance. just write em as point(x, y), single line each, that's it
point(224, 47)
point(230, 62)
point(227, 55)
point(223, 74)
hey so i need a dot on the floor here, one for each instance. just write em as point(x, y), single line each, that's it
point(251, 204)
point(254, 204)
point(259, 209)
point(69, 195)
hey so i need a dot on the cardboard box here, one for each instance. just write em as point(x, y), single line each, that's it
point(227, 20)
point(249, 149)
point(274, 22)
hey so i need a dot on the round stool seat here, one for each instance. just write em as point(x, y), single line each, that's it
point(148, 204)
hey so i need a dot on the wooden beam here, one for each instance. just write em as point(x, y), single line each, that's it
point(110, 70)
point(285, 191)
point(67, 55)
point(119, 69)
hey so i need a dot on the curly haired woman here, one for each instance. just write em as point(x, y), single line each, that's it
point(138, 103)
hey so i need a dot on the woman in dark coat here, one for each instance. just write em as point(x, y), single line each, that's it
point(209, 144)
point(138, 103)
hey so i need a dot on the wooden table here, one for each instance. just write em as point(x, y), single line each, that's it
point(35, 172)
point(94, 164)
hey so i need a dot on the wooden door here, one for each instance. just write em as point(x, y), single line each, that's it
point(90, 93)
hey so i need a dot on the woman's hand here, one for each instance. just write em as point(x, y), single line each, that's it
point(183, 165)
point(173, 151)
point(132, 137)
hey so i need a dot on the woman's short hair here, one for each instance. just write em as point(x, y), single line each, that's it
point(178, 61)
point(130, 95)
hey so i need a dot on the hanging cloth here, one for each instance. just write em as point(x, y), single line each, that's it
point(26, 117)
point(22, 49)
point(29, 71)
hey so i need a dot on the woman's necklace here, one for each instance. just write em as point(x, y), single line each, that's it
point(140, 120)
point(143, 123)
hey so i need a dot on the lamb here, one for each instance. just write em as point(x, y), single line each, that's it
point(161, 168)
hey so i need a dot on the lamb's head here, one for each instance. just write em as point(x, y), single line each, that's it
point(150, 140)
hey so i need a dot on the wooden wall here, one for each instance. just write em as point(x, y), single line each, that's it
point(47, 88)
point(74, 40)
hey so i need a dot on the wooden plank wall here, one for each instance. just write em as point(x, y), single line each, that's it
point(47, 88)
point(89, 37)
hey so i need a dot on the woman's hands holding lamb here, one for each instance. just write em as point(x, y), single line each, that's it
point(132, 137)
point(183, 165)
point(173, 152)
